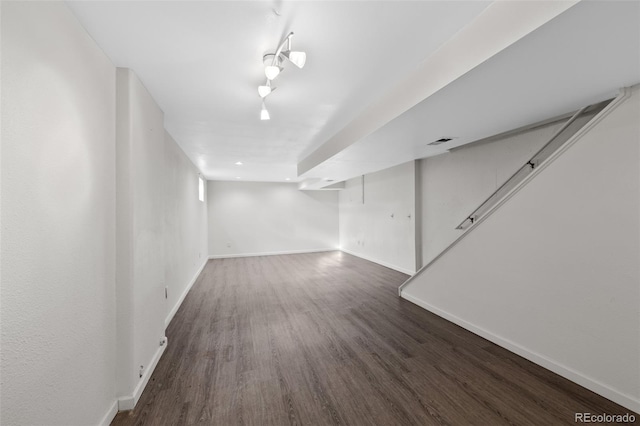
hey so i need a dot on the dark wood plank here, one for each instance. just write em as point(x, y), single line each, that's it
point(323, 339)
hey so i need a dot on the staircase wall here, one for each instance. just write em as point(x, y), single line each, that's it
point(553, 274)
point(455, 183)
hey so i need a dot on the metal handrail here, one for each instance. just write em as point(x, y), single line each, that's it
point(608, 106)
point(529, 165)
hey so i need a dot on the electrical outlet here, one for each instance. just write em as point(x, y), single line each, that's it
point(228, 245)
point(141, 370)
point(166, 292)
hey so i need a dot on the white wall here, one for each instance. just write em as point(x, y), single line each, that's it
point(553, 273)
point(367, 229)
point(185, 224)
point(58, 220)
point(142, 307)
point(456, 183)
point(248, 218)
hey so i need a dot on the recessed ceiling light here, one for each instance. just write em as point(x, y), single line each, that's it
point(237, 177)
point(239, 163)
point(287, 179)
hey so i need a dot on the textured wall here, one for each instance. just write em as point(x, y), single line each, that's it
point(58, 219)
point(142, 306)
point(185, 222)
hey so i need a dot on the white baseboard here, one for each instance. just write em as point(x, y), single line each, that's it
point(183, 295)
point(270, 253)
point(379, 262)
point(129, 402)
point(110, 415)
point(626, 401)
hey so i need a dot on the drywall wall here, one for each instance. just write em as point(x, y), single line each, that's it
point(553, 273)
point(185, 225)
point(454, 184)
point(141, 303)
point(248, 218)
point(58, 220)
point(377, 217)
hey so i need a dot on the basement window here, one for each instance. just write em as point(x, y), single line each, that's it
point(200, 189)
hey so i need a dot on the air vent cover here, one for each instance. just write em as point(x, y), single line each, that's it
point(440, 141)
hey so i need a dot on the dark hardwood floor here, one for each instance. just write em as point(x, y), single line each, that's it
point(315, 339)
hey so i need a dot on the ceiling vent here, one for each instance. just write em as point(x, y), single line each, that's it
point(440, 141)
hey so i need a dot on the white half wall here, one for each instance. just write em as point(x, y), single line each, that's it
point(141, 303)
point(377, 221)
point(253, 218)
point(185, 225)
point(553, 273)
point(58, 336)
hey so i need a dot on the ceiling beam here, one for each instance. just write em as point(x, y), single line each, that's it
point(497, 27)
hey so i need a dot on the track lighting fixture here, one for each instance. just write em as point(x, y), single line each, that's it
point(283, 52)
point(273, 67)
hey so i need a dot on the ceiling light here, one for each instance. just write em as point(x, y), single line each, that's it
point(296, 58)
point(239, 163)
point(264, 114)
point(287, 179)
point(271, 71)
point(264, 91)
point(237, 177)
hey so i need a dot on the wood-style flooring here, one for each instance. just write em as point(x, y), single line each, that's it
point(322, 339)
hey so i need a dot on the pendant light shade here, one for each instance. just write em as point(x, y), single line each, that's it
point(296, 58)
point(272, 71)
point(264, 114)
point(265, 90)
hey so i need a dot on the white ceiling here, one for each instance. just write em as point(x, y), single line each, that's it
point(202, 62)
point(583, 56)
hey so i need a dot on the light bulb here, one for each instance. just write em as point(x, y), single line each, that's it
point(263, 91)
point(271, 71)
point(297, 58)
point(264, 114)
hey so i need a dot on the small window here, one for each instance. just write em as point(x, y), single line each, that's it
point(200, 189)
